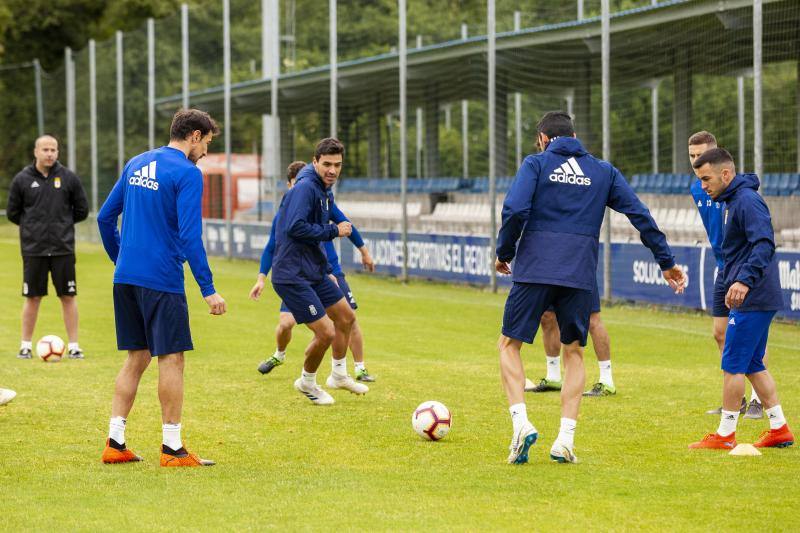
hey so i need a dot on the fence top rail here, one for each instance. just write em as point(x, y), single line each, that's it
point(365, 74)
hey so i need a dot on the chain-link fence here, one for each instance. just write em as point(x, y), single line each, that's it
point(674, 67)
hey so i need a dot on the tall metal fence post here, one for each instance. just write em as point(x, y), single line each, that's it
point(184, 56)
point(333, 60)
point(93, 121)
point(518, 103)
point(464, 124)
point(740, 109)
point(758, 120)
point(69, 71)
point(420, 125)
point(37, 76)
point(120, 107)
point(226, 66)
point(403, 68)
point(151, 83)
point(275, 70)
point(490, 30)
point(654, 125)
point(605, 52)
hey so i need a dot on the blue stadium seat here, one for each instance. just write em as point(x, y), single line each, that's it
point(481, 185)
point(634, 181)
point(769, 184)
point(783, 185)
point(794, 184)
point(645, 181)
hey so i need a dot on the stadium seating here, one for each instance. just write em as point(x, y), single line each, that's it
point(392, 185)
point(784, 184)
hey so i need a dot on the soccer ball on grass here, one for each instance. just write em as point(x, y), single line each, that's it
point(50, 348)
point(431, 420)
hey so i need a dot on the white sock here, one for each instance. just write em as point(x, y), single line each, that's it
point(776, 418)
point(309, 379)
point(26, 345)
point(339, 367)
point(519, 416)
point(360, 366)
point(553, 368)
point(116, 429)
point(279, 355)
point(727, 422)
point(172, 436)
point(72, 346)
point(566, 434)
point(605, 373)
point(754, 396)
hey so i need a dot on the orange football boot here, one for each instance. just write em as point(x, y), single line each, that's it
point(113, 455)
point(182, 458)
point(715, 441)
point(775, 438)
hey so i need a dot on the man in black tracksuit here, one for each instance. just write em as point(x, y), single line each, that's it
point(46, 199)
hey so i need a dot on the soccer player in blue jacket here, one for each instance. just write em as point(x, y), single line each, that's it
point(160, 194)
point(300, 272)
point(752, 293)
point(554, 209)
point(711, 215)
point(286, 322)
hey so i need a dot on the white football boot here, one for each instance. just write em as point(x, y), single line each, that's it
point(521, 443)
point(346, 383)
point(562, 453)
point(6, 395)
point(315, 393)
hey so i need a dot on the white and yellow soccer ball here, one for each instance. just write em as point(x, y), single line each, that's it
point(432, 420)
point(50, 348)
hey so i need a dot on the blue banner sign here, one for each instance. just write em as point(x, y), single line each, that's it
point(467, 259)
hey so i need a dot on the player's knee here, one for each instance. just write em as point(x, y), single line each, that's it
point(505, 343)
point(173, 361)
point(548, 320)
point(719, 336)
point(595, 324)
point(346, 319)
point(326, 333)
point(285, 326)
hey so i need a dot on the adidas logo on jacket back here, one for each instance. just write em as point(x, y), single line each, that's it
point(570, 172)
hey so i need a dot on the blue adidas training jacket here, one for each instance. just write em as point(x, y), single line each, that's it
point(748, 247)
point(303, 224)
point(555, 207)
point(711, 215)
point(160, 193)
point(330, 250)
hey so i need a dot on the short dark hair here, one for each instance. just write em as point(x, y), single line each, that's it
point(556, 124)
point(714, 156)
point(293, 169)
point(702, 137)
point(186, 121)
point(328, 146)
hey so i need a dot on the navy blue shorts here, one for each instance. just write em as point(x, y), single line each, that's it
point(595, 300)
point(308, 302)
point(718, 308)
point(147, 319)
point(746, 341)
point(343, 286)
point(528, 301)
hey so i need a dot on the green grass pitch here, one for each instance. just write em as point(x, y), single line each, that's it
point(358, 465)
